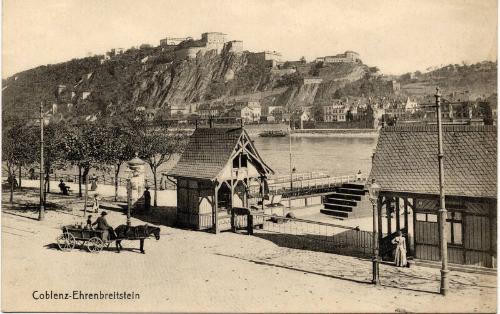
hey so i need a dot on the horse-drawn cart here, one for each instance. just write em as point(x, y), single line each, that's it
point(75, 235)
point(95, 240)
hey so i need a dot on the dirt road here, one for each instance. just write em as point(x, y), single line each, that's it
point(197, 271)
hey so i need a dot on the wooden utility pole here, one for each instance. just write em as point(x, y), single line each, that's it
point(41, 212)
point(442, 206)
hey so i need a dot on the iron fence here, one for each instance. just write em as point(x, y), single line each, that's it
point(315, 236)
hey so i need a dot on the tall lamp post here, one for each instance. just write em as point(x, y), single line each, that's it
point(374, 190)
point(442, 206)
point(41, 212)
point(129, 200)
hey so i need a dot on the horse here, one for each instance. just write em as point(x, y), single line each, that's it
point(124, 232)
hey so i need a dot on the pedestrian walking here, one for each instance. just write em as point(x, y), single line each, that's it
point(32, 174)
point(400, 253)
point(93, 182)
point(147, 199)
point(358, 176)
point(96, 203)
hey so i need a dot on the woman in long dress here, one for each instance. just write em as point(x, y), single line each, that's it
point(93, 182)
point(400, 254)
point(96, 204)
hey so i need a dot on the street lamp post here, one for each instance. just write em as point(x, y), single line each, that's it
point(41, 212)
point(129, 200)
point(442, 206)
point(374, 190)
point(290, 162)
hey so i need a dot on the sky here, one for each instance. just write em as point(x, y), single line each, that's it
point(398, 36)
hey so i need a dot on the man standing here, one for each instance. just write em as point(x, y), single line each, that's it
point(147, 199)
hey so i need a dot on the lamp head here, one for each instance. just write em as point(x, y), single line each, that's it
point(374, 190)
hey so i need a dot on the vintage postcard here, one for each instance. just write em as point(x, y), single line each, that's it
point(249, 156)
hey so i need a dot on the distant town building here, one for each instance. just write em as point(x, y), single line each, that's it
point(207, 111)
point(458, 96)
point(411, 105)
point(251, 112)
point(306, 115)
point(335, 112)
point(172, 41)
point(177, 109)
point(346, 57)
point(235, 46)
point(275, 113)
point(208, 42)
point(271, 58)
point(395, 86)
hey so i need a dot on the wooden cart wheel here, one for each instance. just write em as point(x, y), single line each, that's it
point(66, 241)
point(95, 245)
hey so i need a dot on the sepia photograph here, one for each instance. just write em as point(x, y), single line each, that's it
point(249, 156)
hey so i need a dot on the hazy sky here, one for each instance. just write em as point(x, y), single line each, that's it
point(397, 36)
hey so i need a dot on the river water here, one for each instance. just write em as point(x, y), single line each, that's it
point(336, 156)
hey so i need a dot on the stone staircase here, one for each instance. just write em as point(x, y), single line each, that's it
point(348, 201)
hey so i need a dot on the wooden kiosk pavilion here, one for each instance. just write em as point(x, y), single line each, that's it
point(214, 174)
point(405, 166)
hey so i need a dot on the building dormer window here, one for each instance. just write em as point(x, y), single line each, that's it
point(244, 160)
point(240, 161)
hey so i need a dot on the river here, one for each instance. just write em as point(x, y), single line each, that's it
point(336, 156)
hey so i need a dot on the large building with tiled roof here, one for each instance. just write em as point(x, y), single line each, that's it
point(214, 174)
point(405, 165)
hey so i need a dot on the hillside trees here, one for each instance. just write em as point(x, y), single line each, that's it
point(87, 146)
point(156, 144)
point(119, 149)
point(54, 155)
point(17, 152)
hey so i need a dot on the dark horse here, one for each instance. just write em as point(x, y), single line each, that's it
point(124, 232)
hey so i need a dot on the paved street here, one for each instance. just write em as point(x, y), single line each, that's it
point(196, 271)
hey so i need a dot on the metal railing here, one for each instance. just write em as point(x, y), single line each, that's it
point(306, 186)
point(105, 179)
point(316, 236)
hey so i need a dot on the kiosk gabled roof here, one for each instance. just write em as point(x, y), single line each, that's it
point(208, 151)
point(406, 160)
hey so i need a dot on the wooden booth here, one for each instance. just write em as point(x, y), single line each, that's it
point(405, 165)
point(214, 174)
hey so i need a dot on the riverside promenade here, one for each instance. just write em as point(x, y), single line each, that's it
point(197, 271)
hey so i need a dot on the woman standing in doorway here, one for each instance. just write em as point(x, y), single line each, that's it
point(400, 254)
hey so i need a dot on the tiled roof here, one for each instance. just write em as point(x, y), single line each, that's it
point(406, 160)
point(208, 151)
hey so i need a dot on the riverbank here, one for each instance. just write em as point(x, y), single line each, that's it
point(354, 133)
point(256, 129)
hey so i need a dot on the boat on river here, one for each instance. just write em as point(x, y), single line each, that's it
point(273, 133)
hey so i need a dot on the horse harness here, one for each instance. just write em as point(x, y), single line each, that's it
point(138, 232)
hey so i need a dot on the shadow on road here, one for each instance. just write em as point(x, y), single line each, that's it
point(296, 269)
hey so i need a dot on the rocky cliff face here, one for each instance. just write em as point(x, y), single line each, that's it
point(154, 79)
